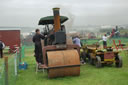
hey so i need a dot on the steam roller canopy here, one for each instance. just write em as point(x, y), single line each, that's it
point(63, 63)
point(50, 20)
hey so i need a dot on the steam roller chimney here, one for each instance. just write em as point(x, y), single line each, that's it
point(56, 19)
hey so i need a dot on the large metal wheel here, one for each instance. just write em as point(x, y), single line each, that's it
point(118, 62)
point(98, 62)
point(63, 63)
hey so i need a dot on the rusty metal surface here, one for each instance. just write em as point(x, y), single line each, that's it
point(61, 72)
point(53, 48)
point(56, 19)
point(63, 58)
point(68, 61)
point(10, 37)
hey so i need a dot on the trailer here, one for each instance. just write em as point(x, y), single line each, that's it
point(11, 38)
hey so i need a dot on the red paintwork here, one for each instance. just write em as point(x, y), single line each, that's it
point(109, 55)
point(11, 38)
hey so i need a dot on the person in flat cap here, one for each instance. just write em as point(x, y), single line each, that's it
point(38, 47)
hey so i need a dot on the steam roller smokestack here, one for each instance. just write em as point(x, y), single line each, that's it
point(56, 19)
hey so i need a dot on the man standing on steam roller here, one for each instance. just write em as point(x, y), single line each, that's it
point(38, 48)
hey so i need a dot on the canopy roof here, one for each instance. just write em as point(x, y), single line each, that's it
point(50, 20)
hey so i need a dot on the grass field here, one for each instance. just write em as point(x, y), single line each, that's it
point(89, 75)
point(109, 41)
point(2, 59)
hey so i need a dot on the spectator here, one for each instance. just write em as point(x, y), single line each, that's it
point(76, 41)
point(2, 46)
point(104, 38)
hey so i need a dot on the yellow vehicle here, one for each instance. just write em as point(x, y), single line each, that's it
point(100, 57)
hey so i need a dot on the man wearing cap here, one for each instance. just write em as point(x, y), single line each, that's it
point(38, 48)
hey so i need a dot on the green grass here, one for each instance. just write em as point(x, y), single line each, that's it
point(11, 76)
point(2, 59)
point(109, 41)
point(89, 75)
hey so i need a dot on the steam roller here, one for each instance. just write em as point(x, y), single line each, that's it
point(60, 57)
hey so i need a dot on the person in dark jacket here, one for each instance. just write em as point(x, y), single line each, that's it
point(2, 46)
point(38, 48)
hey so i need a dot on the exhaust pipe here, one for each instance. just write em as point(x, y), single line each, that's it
point(56, 19)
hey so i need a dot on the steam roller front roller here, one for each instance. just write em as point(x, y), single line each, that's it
point(63, 63)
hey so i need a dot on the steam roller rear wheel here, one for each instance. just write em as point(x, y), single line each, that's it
point(63, 63)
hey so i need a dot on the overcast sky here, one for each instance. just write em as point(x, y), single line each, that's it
point(80, 12)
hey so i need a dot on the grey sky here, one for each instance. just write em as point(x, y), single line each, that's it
point(80, 12)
